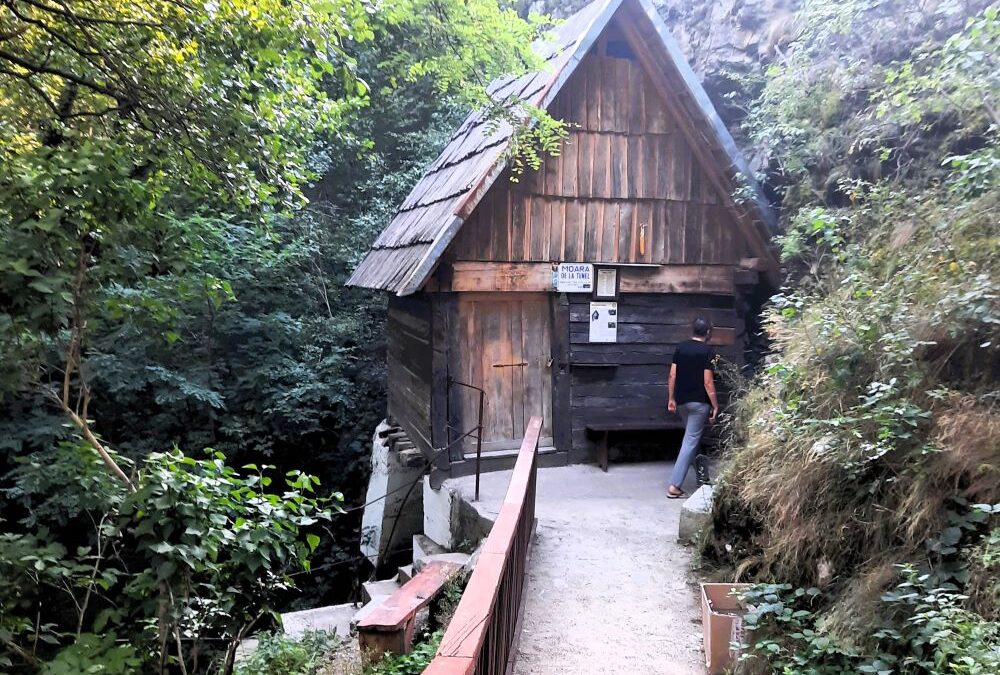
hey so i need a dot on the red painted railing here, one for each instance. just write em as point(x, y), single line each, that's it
point(482, 636)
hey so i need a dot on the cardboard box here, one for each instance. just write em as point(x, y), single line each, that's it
point(722, 619)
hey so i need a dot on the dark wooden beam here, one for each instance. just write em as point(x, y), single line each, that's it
point(498, 276)
point(443, 324)
point(562, 426)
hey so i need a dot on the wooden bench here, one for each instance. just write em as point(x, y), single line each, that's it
point(602, 430)
point(389, 627)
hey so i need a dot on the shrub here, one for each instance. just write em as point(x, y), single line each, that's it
point(193, 559)
point(872, 437)
point(927, 633)
point(277, 654)
point(92, 655)
point(413, 663)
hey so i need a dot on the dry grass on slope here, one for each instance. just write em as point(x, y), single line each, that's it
point(875, 425)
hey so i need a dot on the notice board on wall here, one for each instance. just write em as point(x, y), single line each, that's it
point(604, 322)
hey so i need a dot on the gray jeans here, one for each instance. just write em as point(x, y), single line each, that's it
point(694, 416)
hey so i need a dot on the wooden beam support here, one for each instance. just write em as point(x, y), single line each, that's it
point(443, 324)
point(722, 337)
point(747, 278)
point(389, 628)
point(499, 276)
point(537, 277)
point(709, 279)
point(562, 406)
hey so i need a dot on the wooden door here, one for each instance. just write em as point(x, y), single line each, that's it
point(504, 345)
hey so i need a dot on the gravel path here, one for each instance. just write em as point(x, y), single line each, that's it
point(607, 588)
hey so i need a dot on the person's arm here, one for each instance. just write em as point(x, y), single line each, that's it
point(710, 390)
point(671, 403)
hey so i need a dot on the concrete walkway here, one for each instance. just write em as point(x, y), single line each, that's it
point(608, 591)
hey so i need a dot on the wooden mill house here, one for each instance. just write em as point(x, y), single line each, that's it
point(564, 293)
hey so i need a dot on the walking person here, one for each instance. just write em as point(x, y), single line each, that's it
point(692, 395)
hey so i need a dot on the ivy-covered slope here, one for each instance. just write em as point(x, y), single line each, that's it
point(863, 464)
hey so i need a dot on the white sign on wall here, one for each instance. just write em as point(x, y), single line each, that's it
point(575, 278)
point(604, 322)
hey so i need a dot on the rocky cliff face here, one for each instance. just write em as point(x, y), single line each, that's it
point(719, 38)
point(726, 39)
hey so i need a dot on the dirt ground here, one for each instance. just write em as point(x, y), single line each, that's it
point(608, 588)
point(343, 661)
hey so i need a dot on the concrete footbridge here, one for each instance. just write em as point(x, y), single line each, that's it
point(607, 587)
point(570, 569)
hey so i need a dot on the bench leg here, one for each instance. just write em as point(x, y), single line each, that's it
point(602, 451)
point(376, 644)
point(408, 631)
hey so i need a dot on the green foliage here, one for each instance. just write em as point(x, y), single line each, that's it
point(180, 569)
point(162, 284)
point(31, 564)
point(278, 655)
point(959, 79)
point(449, 36)
point(138, 135)
point(218, 546)
point(414, 663)
point(480, 41)
point(814, 228)
point(531, 144)
point(56, 485)
point(875, 421)
point(929, 633)
point(123, 123)
point(94, 654)
point(145, 75)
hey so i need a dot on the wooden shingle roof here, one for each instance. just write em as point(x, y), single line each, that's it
point(405, 254)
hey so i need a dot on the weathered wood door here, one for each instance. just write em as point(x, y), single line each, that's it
point(504, 345)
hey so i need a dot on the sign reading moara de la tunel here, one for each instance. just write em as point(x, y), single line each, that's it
point(574, 278)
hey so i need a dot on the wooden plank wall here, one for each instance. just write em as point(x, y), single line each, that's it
point(409, 360)
point(625, 174)
point(627, 381)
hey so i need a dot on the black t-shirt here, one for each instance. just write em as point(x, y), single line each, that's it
point(693, 358)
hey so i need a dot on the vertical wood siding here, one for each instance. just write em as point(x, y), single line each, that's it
point(625, 174)
point(409, 361)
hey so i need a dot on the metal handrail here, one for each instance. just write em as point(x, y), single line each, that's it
point(482, 636)
point(478, 429)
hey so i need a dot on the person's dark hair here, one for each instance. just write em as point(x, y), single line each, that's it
point(701, 327)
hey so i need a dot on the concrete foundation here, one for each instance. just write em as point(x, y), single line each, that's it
point(450, 519)
point(333, 619)
point(424, 546)
point(394, 509)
